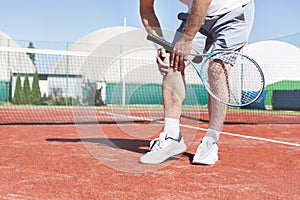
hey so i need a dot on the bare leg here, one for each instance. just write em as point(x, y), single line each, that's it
point(173, 93)
point(217, 114)
point(218, 77)
point(207, 151)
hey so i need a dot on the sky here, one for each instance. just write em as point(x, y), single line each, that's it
point(66, 21)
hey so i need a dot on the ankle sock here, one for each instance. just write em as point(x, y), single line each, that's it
point(171, 127)
point(214, 134)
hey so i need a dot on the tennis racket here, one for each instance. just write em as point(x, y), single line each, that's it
point(230, 77)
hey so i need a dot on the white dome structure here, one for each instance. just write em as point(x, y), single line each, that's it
point(107, 47)
point(113, 47)
point(6, 41)
point(93, 40)
point(109, 55)
point(13, 62)
point(278, 60)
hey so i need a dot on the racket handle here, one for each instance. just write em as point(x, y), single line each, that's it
point(154, 38)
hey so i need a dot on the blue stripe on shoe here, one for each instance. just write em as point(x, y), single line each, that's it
point(177, 140)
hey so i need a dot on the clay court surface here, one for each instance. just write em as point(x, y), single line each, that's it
point(79, 162)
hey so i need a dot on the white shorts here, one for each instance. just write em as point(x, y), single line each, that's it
point(229, 31)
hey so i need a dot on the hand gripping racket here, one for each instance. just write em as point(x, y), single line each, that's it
point(231, 77)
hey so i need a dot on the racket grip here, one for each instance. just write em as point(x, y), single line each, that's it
point(154, 38)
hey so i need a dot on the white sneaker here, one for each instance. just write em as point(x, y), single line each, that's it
point(207, 152)
point(163, 148)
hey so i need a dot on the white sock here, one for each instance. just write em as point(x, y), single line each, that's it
point(214, 134)
point(172, 127)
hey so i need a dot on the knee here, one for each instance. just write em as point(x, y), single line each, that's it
point(174, 87)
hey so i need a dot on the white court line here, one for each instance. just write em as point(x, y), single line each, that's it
point(246, 136)
point(203, 129)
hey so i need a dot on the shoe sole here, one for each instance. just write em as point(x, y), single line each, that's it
point(165, 157)
point(206, 160)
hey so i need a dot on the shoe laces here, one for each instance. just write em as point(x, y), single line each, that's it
point(159, 142)
point(207, 143)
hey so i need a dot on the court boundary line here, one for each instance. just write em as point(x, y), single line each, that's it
point(246, 136)
point(204, 129)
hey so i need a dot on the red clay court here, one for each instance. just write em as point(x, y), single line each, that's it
point(100, 161)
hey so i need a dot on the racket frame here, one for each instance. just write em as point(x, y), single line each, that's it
point(169, 47)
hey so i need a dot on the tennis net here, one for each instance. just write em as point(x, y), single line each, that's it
point(66, 87)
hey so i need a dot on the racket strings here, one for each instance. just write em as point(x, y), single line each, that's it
point(218, 79)
point(235, 79)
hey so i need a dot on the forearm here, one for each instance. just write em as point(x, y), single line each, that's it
point(196, 18)
point(150, 20)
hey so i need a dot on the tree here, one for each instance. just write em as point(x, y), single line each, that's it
point(18, 95)
point(31, 55)
point(36, 91)
point(26, 90)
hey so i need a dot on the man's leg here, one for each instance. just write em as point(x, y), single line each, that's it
point(218, 76)
point(230, 32)
point(207, 152)
point(170, 141)
point(173, 89)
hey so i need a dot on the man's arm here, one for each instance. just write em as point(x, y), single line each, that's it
point(149, 18)
point(196, 18)
point(151, 24)
point(183, 46)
